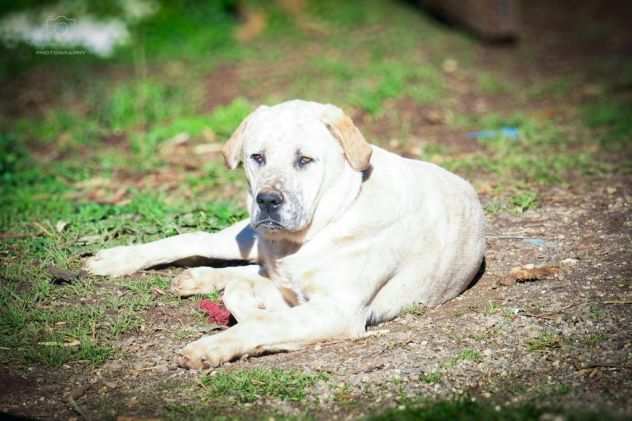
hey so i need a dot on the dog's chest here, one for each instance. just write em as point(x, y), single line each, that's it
point(292, 276)
point(301, 273)
point(290, 280)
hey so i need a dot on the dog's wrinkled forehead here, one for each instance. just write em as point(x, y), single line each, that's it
point(295, 122)
point(320, 127)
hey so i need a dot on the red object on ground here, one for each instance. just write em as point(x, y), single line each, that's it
point(217, 313)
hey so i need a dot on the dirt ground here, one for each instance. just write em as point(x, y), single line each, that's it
point(560, 336)
point(580, 319)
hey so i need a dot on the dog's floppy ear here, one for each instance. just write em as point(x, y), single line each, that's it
point(357, 150)
point(233, 146)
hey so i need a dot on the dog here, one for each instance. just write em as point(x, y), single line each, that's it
point(342, 234)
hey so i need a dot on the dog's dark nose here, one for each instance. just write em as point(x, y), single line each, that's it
point(269, 200)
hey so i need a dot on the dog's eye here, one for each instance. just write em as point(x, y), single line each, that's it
point(258, 158)
point(304, 160)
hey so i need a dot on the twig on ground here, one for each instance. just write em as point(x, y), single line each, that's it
point(42, 228)
point(75, 406)
point(509, 237)
point(603, 365)
point(154, 367)
point(548, 314)
point(8, 235)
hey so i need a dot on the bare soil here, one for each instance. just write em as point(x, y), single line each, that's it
point(582, 315)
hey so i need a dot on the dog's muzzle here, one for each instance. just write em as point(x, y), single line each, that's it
point(269, 202)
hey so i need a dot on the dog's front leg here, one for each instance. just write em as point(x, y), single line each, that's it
point(283, 330)
point(237, 242)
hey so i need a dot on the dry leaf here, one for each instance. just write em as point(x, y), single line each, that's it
point(254, 24)
point(530, 273)
point(64, 344)
point(89, 239)
point(61, 225)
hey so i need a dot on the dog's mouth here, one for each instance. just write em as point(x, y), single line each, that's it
point(269, 225)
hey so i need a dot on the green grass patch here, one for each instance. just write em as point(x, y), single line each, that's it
point(37, 330)
point(416, 310)
point(524, 201)
point(489, 83)
point(544, 342)
point(186, 29)
point(65, 129)
point(431, 377)
point(225, 119)
point(543, 153)
point(556, 88)
point(613, 119)
point(138, 103)
point(260, 383)
point(464, 408)
point(491, 308)
point(389, 79)
point(466, 354)
point(42, 225)
point(222, 121)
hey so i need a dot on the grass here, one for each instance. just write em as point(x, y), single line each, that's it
point(542, 154)
point(490, 84)
point(48, 334)
point(595, 339)
point(55, 325)
point(545, 342)
point(260, 383)
point(463, 408)
point(423, 84)
point(431, 377)
point(466, 354)
point(491, 308)
point(612, 118)
point(524, 201)
point(343, 394)
point(417, 310)
point(557, 88)
point(597, 313)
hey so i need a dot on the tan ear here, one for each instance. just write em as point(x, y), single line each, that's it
point(356, 149)
point(232, 148)
point(234, 145)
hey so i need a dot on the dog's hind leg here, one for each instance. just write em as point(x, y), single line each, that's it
point(237, 242)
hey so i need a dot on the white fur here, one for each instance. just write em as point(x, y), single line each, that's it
point(367, 245)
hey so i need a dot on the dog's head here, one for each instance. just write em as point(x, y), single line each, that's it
point(293, 153)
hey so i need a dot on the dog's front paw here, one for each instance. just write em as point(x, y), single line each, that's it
point(206, 353)
point(116, 261)
point(200, 280)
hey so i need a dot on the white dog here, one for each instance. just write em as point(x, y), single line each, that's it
point(342, 234)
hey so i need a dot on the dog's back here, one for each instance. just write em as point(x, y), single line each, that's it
point(438, 232)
